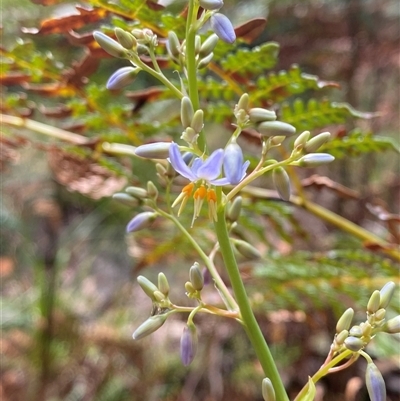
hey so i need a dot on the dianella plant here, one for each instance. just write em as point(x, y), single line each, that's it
point(215, 179)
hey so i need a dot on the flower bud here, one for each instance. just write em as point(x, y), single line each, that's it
point(380, 314)
point(339, 339)
point(111, 46)
point(163, 284)
point(137, 192)
point(196, 277)
point(161, 170)
point(243, 103)
point(375, 383)
point(140, 221)
point(186, 111)
point(208, 45)
point(205, 61)
point(156, 150)
point(392, 326)
point(353, 343)
point(152, 190)
point(281, 182)
point(234, 209)
point(356, 331)
point(315, 160)
point(197, 44)
point(152, 324)
point(189, 288)
point(277, 140)
point(301, 139)
point(126, 39)
point(211, 4)
point(387, 292)
point(374, 301)
point(268, 391)
point(315, 143)
point(189, 135)
point(188, 344)
point(223, 27)
point(247, 250)
point(197, 121)
point(125, 199)
point(275, 128)
point(234, 168)
point(366, 328)
point(122, 77)
point(159, 296)
point(258, 115)
point(173, 45)
point(345, 320)
point(147, 286)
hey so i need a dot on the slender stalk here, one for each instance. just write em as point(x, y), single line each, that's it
point(249, 321)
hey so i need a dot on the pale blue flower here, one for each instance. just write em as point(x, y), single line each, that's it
point(234, 168)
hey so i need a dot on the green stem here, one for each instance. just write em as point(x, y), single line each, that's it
point(227, 296)
point(249, 321)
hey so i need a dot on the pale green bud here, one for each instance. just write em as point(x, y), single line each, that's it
point(152, 190)
point(234, 209)
point(375, 384)
point(137, 192)
point(152, 324)
point(356, 331)
point(159, 296)
point(341, 337)
point(353, 343)
point(277, 140)
point(392, 326)
point(243, 103)
point(205, 61)
point(147, 286)
point(125, 199)
point(366, 328)
point(209, 45)
point(110, 45)
point(125, 38)
point(387, 292)
point(345, 320)
point(258, 115)
point(268, 391)
point(186, 111)
point(161, 170)
point(173, 45)
point(189, 288)
point(211, 4)
point(196, 277)
point(197, 44)
point(380, 314)
point(156, 150)
point(275, 128)
point(315, 160)
point(189, 135)
point(301, 139)
point(197, 122)
point(247, 250)
point(315, 143)
point(281, 182)
point(374, 301)
point(163, 284)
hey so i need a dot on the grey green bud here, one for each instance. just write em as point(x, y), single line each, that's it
point(374, 302)
point(387, 292)
point(301, 139)
point(147, 286)
point(267, 389)
point(258, 115)
point(247, 250)
point(315, 160)
point(173, 44)
point(197, 44)
point(345, 320)
point(356, 331)
point(125, 199)
point(243, 103)
point(197, 122)
point(189, 288)
point(275, 128)
point(125, 38)
point(196, 277)
point(366, 328)
point(163, 284)
point(156, 150)
point(281, 182)
point(375, 384)
point(277, 140)
point(392, 326)
point(315, 143)
point(380, 315)
point(211, 4)
point(354, 343)
point(208, 45)
point(339, 339)
point(137, 192)
point(205, 61)
point(234, 209)
point(152, 190)
point(152, 324)
point(159, 296)
point(187, 112)
point(110, 45)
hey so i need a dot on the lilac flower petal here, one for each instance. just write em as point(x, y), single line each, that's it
point(223, 28)
point(140, 221)
point(211, 168)
point(197, 163)
point(219, 182)
point(121, 78)
point(233, 163)
point(179, 164)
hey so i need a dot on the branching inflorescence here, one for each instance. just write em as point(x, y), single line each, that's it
point(217, 178)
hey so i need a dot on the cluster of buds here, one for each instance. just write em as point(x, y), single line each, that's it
point(192, 121)
point(356, 338)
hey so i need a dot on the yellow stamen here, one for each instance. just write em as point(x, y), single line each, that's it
point(198, 197)
point(183, 196)
point(212, 204)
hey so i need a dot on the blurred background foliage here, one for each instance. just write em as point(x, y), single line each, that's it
point(69, 296)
